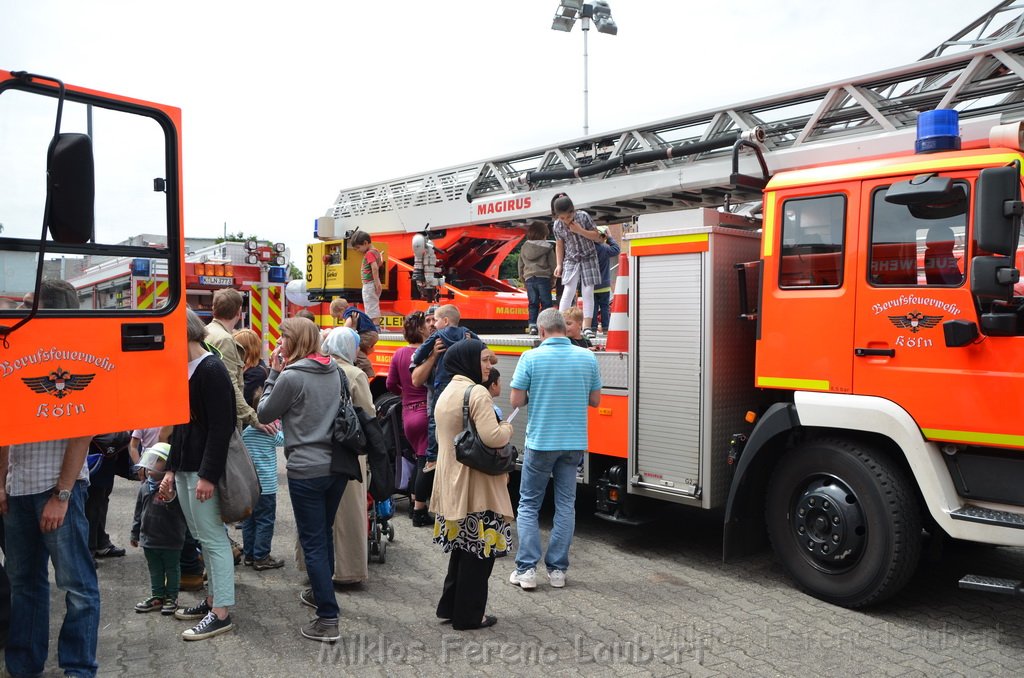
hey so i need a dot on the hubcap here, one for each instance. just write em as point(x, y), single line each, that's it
point(829, 525)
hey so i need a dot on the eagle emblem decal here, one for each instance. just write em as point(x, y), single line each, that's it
point(915, 320)
point(59, 383)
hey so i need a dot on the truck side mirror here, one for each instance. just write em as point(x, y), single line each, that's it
point(71, 189)
point(998, 209)
point(993, 278)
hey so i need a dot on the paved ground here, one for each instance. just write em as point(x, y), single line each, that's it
point(654, 600)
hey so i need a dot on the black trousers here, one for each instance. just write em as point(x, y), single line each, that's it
point(5, 595)
point(423, 488)
point(464, 596)
point(190, 563)
point(96, 504)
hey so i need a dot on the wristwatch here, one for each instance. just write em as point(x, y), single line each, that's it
point(62, 495)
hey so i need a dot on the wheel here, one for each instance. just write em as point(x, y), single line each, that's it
point(844, 522)
point(391, 532)
point(382, 552)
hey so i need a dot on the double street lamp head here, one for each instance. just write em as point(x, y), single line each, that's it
point(599, 11)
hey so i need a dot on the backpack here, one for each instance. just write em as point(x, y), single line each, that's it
point(111, 448)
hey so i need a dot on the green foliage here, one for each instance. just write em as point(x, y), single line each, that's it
point(293, 272)
point(510, 267)
point(240, 237)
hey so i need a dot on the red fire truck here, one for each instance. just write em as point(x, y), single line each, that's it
point(830, 356)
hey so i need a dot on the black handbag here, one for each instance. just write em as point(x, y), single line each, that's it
point(472, 452)
point(347, 436)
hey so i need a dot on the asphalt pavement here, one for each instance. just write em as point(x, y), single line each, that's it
point(651, 600)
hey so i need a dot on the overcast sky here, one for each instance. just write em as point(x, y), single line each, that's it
point(284, 104)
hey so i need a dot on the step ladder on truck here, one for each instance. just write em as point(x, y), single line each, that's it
point(831, 354)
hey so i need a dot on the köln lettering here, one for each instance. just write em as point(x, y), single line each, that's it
point(47, 410)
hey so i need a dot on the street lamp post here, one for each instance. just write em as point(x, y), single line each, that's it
point(565, 19)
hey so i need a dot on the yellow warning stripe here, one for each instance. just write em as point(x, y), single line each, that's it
point(256, 307)
point(884, 167)
point(796, 384)
point(768, 234)
point(497, 348)
point(668, 240)
point(975, 437)
point(145, 295)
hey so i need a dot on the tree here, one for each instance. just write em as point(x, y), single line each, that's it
point(239, 237)
point(293, 272)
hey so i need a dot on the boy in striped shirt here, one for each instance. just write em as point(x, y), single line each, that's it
point(258, 529)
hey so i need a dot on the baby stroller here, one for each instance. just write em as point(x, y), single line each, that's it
point(380, 486)
point(378, 526)
point(400, 453)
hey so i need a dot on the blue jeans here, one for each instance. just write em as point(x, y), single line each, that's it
point(27, 552)
point(431, 426)
point(315, 502)
point(602, 306)
point(538, 465)
point(538, 296)
point(258, 529)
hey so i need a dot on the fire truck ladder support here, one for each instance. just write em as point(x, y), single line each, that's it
point(684, 162)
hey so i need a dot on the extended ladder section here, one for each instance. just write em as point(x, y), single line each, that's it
point(688, 161)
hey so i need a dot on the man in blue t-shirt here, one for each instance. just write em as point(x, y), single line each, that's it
point(559, 381)
point(428, 368)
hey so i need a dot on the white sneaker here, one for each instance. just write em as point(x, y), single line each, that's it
point(525, 580)
point(556, 578)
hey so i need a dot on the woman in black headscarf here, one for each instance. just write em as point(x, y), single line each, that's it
point(473, 510)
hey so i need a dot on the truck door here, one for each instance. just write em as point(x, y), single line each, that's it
point(806, 327)
point(913, 276)
point(86, 362)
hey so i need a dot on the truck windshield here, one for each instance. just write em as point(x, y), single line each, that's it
point(130, 151)
point(917, 251)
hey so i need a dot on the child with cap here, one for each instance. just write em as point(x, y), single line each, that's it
point(159, 527)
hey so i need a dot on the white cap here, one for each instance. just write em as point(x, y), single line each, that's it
point(154, 456)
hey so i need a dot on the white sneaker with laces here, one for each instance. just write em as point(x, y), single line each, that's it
point(556, 578)
point(524, 580)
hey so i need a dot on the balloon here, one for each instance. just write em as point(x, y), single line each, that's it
point(295, 292)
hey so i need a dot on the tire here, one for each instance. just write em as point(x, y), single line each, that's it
point(844, 522)
point(391, 532)
point(382, 553)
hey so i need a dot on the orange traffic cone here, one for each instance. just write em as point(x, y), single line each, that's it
point(618, 326)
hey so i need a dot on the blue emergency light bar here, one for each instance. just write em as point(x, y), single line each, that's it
point(938, 130)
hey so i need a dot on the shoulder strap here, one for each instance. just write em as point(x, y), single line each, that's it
point(346, 397)
point(466, 421)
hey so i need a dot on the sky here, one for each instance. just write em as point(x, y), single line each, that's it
point(285, 104)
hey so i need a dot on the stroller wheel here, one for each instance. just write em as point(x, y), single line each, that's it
point(382, 552)
point(391, 532)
